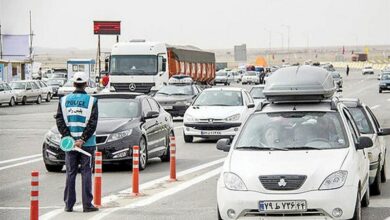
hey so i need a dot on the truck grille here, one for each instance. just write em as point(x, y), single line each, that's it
point(139, 87)
point(282, 182)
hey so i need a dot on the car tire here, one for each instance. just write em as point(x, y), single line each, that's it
point(219, 214)
point(166, 157)
point(39, 100)
point(380, 90)
point(12, 102)
point(383, 172)
point(188, 138)
point(366, 198)
point(24, 100)
point(143, 154)
point(48, 97)
point(375, 187)
point(357, 215)
point(53, 168)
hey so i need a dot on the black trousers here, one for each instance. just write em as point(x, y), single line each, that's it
point(72, 161)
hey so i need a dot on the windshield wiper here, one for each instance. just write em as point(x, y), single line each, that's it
point(305, 148)
point(261, 148)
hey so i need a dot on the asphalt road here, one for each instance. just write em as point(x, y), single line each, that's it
point(22, 129)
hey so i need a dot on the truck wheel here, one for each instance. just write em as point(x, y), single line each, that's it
point(188, 139)
point(53, 168)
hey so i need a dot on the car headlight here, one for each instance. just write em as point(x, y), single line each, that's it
point(189, 118)
point(233, 182)
point(53, 137)
point(334, 180)
point(234, 117)
point(119, 135)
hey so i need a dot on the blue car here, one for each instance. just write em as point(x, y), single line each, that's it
point(384, 83)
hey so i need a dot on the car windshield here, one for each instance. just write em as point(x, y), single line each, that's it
point(293, 130)
point(133, 65)
point(221, 73)
point(361, 120)
point(118, 108)
point(250, 74)
point(18, 85)
point(385, 77)
point(176, 90)
point(219, 98)
point(257, 93)
point(56, 76)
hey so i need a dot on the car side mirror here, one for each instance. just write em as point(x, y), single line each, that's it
point(364, 142)
point(384, 131)
point(251, 105)
point(152, 114)
point(223, 144)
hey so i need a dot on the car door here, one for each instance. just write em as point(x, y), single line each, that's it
point(8, 92)
point(149, 126)
point(380, 139)
point(161, 129)
point(29, 91)
point(36, 90)
point(3, 93)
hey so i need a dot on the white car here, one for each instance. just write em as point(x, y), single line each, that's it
point(367, 70)
point(47, 91)
point(250, 77)
point(217, 113)
point(7, 95)
point(296, 159)
point(69, 88)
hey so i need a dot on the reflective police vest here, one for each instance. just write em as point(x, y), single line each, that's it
point(76, 109)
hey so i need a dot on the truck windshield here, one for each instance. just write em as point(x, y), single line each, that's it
point(133, 65)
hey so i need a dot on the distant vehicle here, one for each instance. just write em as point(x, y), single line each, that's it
point(384, 83)
point(257, 94)
point(55, 85)
point(223, 77)
point(250, 77)
point(217, 113)
point(125, 120)
point(368, 126)
point(235, 75)
point(26, 91)
point(57, 76)
point(177, 96)
point(338, 79)
point(7, 95)
point(47, 91)
point(143, 66)
point(385, 70)
point(367, 70)
point(69, 88)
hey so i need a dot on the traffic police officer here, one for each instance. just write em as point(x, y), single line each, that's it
point(77, 116)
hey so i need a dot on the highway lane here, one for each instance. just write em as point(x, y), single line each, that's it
point(21, 134)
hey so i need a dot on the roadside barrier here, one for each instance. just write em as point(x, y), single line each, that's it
point(34, 202)
point(97, 197)
point(172, 148)
point(135, 185)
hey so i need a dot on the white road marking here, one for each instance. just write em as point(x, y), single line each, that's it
point(160, 195)
point(20, 158)
point(110, 198)
point(375, 106)
point(379, 203)
point(28, 208)
point(20, 164)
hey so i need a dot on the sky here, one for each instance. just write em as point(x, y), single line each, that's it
point(208, 24)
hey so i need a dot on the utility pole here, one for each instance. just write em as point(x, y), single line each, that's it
point(31, 39)
point(1, 44)
point(99, 55)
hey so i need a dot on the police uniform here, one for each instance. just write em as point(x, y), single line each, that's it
point(77, 117)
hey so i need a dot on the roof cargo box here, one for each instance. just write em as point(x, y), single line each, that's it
point(299, 83)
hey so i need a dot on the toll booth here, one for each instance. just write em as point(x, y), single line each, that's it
point(81, 65)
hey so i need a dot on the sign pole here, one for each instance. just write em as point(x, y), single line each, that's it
point(99, 56)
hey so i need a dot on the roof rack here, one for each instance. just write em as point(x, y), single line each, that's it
point(299, 84)
point(333, 103)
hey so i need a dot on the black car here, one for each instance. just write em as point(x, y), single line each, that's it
point(125, 120)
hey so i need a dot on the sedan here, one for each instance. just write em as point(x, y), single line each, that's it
point(125, 120)
point(367, 70)
point(26, 91)
point(47, 91)
point(222, 77)
point(69, 88)
point(7, 95)
point(250, 77)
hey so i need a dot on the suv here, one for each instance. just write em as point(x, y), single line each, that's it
point(297, 155)
point(368, 126)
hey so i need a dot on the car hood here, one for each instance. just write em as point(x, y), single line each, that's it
point(215, 112)
point(315, 164)
point(172, 98)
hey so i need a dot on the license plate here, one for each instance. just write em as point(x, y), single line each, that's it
point(210, 132)
point(168, 107)
point(280, 206)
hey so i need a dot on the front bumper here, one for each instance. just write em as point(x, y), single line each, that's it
point(320, 204)
point(214, 130)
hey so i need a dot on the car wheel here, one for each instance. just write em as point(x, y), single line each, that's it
point(48, 97)
point(39, 100)
point(166, 157)
point(24, 100)
point(219, 214)
point(143, 154)
point(53, 168)
point(188, 138)
point(357, 215)
point(366, 198)
point(380, 90)
point(383, 172)
point(375, 187)
point(12, 102)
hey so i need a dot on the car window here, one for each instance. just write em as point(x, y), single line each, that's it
point(257, 93)
point(28, 86)
point(322, 130)
point(361, 119)
point(154, 106)
point(246, 99)
point(145, 107)
point(42, 84)
point(351, 125)
point(34, 85)
point(249, 97)
point(377, 125)
point(1, 88)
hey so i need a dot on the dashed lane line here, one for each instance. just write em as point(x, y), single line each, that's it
point(20, 158)
point(20, 164)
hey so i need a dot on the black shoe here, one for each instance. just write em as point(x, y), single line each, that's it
point(91, 209)
point(68, 209)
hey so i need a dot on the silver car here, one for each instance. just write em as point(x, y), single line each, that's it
point(7, 96)
point(26, 91)
point(47, 91)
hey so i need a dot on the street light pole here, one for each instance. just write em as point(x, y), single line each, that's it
point(288, 40)
point(269, 42)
